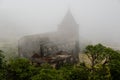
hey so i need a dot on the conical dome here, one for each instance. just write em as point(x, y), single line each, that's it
point(68, 25)
point(68, 19)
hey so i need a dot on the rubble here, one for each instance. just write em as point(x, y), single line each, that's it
point(55, 60)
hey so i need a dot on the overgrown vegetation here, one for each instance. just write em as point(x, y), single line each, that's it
point(104, 65)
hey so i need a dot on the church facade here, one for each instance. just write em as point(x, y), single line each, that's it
point(66, 38)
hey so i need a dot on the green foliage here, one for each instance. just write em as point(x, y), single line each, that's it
point(19, 69)
point(46, 66)
point(78, 74)
point(96, 54)
point(47, 74)
point(105, 65)
point(71, 72)
point(1, 59)
point(2, 66)
point(100, 73)
point(99, 57)
point(115, 65)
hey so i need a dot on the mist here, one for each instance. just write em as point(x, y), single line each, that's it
point(99, 20)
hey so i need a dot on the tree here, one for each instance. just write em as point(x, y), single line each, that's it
point(114, 65)
point(79, 73)
point(95, 54)
point(74, 72)
point(99, 57)
point(2, 66)
point(19, 69)
point(46, 72)
point(1, 59)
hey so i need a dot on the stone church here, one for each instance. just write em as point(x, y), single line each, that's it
point(66, 38)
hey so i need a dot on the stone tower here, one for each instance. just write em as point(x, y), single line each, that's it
point(70, 29)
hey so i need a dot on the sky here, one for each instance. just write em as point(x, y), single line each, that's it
point(99, 20)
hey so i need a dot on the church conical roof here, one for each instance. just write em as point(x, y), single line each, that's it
point(68, 26)
point(68, 19)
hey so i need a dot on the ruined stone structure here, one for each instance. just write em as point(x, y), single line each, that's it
point(66, 38)
point(55, 60)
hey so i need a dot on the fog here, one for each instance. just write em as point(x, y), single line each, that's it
point(99, 20)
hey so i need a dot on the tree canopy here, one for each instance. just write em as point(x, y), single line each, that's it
point(104, 65)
